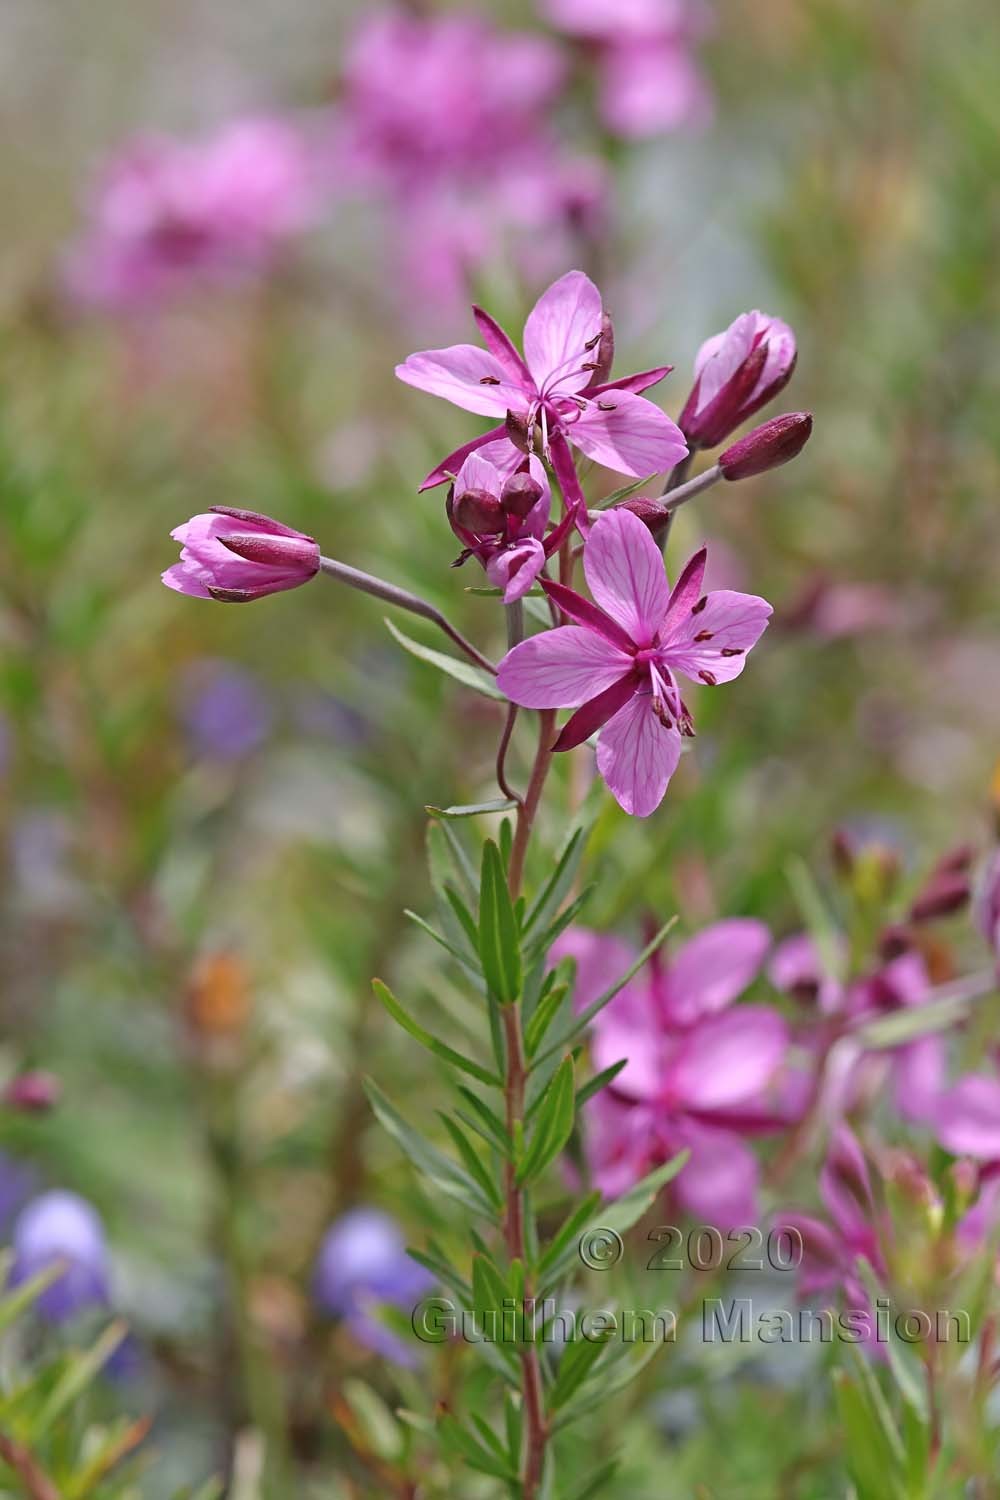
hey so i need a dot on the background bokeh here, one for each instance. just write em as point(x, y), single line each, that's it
point(212, 819)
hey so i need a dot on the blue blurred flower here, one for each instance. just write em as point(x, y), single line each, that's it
point(61, 1226)
point(224, 709)
point(17, 1183)
point(363, 1263)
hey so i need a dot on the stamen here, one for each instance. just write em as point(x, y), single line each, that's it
point(607, 406)
point(592, 344)
point(696, 609)
point(706, 635)
point(732, 650)
point(590, 364)
point(708, 677)
point(490, 380)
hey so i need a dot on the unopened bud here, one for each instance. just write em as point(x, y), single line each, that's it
point(945, 892)
point(33, 1093)
point(652, 513)
point(736, 373)
point(520, 494)
point(518, 431)
point(479, 511)
point(769, 446)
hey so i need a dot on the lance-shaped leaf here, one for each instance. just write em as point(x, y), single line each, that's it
point(577, 1362)
point(499, 940)
point(473, 809)
point(432, 1043)
point(445, 1174)
point(549, 1006)
point(553, 1124)
point(462, 671)
point(629, 1209)
point(462, 1444)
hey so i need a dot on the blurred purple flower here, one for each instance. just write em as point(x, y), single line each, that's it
point(363, 1263)
point(170, 213)
point(649, 79)
point(698, 1072)
point(832, 1250)
point(736, 373)
point(234, 556)
point(225, 710)
point(18, 1181)
point(988, 905)
point(60, 1226)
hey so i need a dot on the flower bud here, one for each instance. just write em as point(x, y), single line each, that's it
point(520, 494)
point(33, 1093)
point(736, 373)
point(988, 905)
point(478, 511)
point(652, 513)
point(234, 556)
point(768, 447)
point(56, 1228)
point(946, 892)
point(518, 432)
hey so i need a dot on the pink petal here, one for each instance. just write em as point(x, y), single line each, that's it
point(600, 962)
point(477, 473)
point(918, 1077)
point(708, 972)
point(637, 756)
point(594, 715)
point(640, 381)
point(186, 580)
point(686, 592)
point(968, 1117)
point(728, 1058)
point(582, 612)
point(514, 569)
point(499, 344)
point(560, 668)
point(562, 322)
point(719, 1184)
point(493, 444)
point(629, 435)
point(642, 1076)
point(569, 480)
point(624, 570)
point(729, 622)
point(465, 375)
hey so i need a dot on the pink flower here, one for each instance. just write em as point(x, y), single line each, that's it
point(988, 905)
point(502, 522)
point(238, 555)
point(735, 374)
point(170, 213)
point(560, 386)
point(967, 1119)
point(649, 78)
point(833, 1250)
point(697, 1071)
point(616, 665)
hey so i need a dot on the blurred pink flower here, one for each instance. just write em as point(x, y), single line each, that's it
point(616, 664)
point(560, 385)
point(171, 213)
point(649, 79)
point(832, 1250)
point(697, 1074)
point(988, 905)
point(237, 555)
point(736, 373)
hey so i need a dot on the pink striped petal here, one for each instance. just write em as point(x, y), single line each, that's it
point(729, 1058)
point(642, 1076)
point(582, 612)
point(595, 714)
point(641, 381)
point(515, 568)
point(624, 570)
point(629, 434)
point(711, 643)
point(562, 322)
point(600, 962)
point(708, 972)
point(494, 446)
point(467, 376)
point(637, 756)
point(500, 345)
point(719, 1183)
point(968, 1117)
point(560, 668)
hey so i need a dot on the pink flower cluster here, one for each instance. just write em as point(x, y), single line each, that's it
point(649, 78)
point(444, 118)
point(172, 213)
point(702, 1073)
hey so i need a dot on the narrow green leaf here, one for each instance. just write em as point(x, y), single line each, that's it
point(446, 1174)
point(432, 1043)
point(493, 1126)
point(499, 940)
point(622, 493)
point(473, 809)
point(547, 1010)
point(629, 1209)
point(596, 1483)
point(441, 941)
point(465, 919)
point(579, 1359)
point(817, 917)
point(559, 882)
point(18, 1301)
point(464, 1445)
point(473, 1165)
point(566, 1237)
point(80, 1370)
point(598, 1082)
point(554, 1125)
point(462, 671)
point(583, 1020)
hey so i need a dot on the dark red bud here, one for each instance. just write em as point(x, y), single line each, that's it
point(769, 446)
point(652, 513)
point(842, 853)
point(479, 511)
point(520, 494)
point(894, 941)
point(945, 892)
point(33, 1093)
point(519, 432)
point(956, 860)
point(294, 553)
point(603, 355)
point(731, 406)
